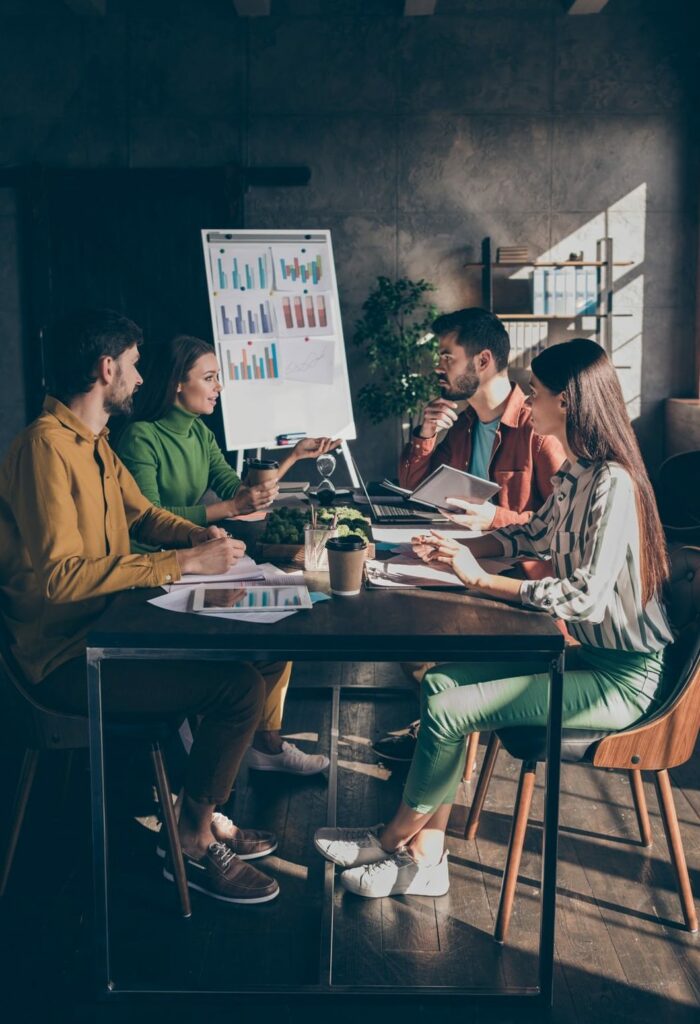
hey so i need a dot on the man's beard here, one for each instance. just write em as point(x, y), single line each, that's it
point(464, 387)
point(119, 403)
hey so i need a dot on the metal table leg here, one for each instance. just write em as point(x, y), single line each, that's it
point(551, 831)
point(99, 823)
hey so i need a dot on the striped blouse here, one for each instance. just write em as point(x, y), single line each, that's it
point(588, 527)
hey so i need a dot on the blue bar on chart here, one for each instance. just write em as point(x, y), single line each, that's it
point(226, 325)
point(222, 275)
point(249, 274)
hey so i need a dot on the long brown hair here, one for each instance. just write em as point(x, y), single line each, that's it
point(170, 366)
point(599, 429)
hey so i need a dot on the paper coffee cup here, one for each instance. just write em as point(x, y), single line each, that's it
point(260, 470)
point(346, 559)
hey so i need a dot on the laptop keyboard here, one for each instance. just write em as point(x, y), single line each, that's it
point(397, 511)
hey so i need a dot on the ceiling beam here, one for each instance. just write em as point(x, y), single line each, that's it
point(418, 8)
point(252, 8)
point(91, 8)
point(584, 6)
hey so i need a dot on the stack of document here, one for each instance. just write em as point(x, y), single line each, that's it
point(407, 571)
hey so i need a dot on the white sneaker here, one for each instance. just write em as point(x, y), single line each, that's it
point(349, 847)
point(398, 875)
point(290, 760)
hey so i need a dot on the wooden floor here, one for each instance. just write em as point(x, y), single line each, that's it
point(622, 953)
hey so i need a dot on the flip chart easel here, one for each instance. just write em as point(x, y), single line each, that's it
point(278, 332)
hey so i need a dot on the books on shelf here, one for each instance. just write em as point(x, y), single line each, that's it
point(512, 254)
point(564, 291)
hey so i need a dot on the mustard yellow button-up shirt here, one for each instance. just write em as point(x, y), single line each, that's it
point(67, 505)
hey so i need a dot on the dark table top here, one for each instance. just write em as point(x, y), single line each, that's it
point(377, 625)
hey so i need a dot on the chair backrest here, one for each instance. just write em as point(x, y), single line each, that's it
point(25, 722)
point(679, 501)
point(668, 738)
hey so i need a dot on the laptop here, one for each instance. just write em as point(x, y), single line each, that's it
point(402, 513)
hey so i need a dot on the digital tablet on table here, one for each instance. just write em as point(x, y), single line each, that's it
point(250, 599)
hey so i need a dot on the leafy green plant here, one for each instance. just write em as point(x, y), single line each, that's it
point(401, 351)
point(286, 525)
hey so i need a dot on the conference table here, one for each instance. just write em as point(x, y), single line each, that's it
point(379, 625)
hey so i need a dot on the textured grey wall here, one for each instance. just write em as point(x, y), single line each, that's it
point(494, 116)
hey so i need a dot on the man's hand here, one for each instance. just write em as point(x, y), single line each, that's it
point(438, 415)
point(474, 517)
point(312, 447)
point(207, 533)
point(211, 556)
point(251, 499)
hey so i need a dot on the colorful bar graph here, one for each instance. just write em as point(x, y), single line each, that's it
point(254, 365)
point(297, 270)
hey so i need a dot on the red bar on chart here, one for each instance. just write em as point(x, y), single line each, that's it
point(298, 312)
point(310, 315)
point(287, 312)
point(321, 306)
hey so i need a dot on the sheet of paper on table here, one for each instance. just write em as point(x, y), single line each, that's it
point(244, 569)
point(407, 571)
point(403, 534)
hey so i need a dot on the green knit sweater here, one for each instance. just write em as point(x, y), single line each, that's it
point(174, 460)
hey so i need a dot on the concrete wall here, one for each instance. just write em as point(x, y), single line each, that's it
point(501, 117)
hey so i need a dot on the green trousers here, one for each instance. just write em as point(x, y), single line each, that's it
point(603, 689)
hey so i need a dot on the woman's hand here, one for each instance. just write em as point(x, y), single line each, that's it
point(473, 516)
point(433, 547)
point(251, 499)
point(312, 447)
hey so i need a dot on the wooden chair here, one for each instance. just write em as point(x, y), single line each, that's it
point(29, 725)
point(663, 741)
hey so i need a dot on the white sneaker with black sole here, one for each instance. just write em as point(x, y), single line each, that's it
point(349, 847)
point(398, 875)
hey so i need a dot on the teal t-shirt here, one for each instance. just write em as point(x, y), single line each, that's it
point(483, 437)
point(174, 460)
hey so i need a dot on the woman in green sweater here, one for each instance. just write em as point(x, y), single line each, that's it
point(175, 459)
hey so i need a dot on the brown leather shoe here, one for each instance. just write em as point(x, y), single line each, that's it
point(248, 843)
point(226, 877)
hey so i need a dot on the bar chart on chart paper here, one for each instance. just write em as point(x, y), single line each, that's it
point(306, 315)
point(239, 269)
point(251, 316)
point(296, 265)
point(253, 361)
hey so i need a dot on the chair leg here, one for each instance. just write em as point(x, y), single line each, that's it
point(640, 805)
point(482, 786)
point(470, 759)
point(526, 786)
point(170, 825)
point(675, 847)
point(24, 788)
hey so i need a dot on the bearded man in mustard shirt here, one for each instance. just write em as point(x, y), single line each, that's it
point(67, 506)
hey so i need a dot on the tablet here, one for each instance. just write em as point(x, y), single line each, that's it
point(447, 482)
point(250, 599)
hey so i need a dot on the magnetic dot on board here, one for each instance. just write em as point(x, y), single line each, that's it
point(306, 339)
point(242, 288)
point(222, 250)
point(303, 250)
point(250, 342)
point(307, 237)
point(306, 291)
point(229, 236)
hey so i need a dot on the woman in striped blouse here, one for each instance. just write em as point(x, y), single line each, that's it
point(601, 529)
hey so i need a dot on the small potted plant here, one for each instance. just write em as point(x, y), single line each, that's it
point(395, 331)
